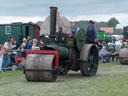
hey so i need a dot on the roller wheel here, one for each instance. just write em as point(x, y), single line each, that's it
point(89, 56)
point(39, 67)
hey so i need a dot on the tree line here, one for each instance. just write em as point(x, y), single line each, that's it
point(112, 22)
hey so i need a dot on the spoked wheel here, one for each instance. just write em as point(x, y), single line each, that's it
point(89, 58)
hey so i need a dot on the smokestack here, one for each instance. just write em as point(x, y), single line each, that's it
point(53, 15)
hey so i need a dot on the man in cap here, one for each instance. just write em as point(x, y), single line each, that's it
point(91, 33)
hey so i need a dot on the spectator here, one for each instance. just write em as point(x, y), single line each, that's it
point(11, 38)
point(15, 52)
point(113, 44)
point(28, 38)
point(17, 45)
point(8, 47)
point(112, 50)
point(106, 45)
point(74, 29)
point(104, 55)
point(99, 45)
point(29, 45)
point(41, 45)
point(34, 44)
point(24, 44)
point(24, 47)
point(1, 56)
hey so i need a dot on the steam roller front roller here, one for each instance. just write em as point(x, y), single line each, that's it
point(89, 60)
point(40, 67)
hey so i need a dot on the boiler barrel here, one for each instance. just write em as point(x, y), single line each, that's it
point(63, 53)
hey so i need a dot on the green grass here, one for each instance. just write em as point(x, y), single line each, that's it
point(111, 80)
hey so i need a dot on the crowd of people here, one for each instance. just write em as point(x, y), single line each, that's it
point(109, 52)
point(12, 46)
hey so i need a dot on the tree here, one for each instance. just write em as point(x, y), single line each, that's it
point(39, 23)
point(113, 22)
point(83, 24)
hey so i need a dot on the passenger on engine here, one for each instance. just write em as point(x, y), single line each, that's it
point(74, 29)
point(60, 35)
point(91, 33)
point(41, 45)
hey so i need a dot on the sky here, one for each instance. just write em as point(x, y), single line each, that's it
point(74, 10)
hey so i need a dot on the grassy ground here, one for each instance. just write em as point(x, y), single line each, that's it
point(111, 80)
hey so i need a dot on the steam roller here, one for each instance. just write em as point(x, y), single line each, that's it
point(123, 54)
point(61, 54)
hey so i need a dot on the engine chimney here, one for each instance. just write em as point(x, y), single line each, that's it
point(53, 15)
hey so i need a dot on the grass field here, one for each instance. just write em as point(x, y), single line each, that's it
point(111, 80)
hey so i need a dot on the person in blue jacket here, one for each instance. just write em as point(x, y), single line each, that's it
point(91, 33)
point(74, 29)
point(29, 45)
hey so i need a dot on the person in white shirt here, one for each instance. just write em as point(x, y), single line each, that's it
point(34, 44)
point(6, 58)
point(1, 56)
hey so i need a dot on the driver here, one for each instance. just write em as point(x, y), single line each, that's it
point(91, 33)
point(60, 34)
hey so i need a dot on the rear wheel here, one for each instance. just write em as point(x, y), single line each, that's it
point(89, 57)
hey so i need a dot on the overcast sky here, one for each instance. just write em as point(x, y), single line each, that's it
point(36, 10)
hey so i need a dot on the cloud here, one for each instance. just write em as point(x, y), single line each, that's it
point(122, 17)
point(66, 7)
point(38, 10)
point(24, 19)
